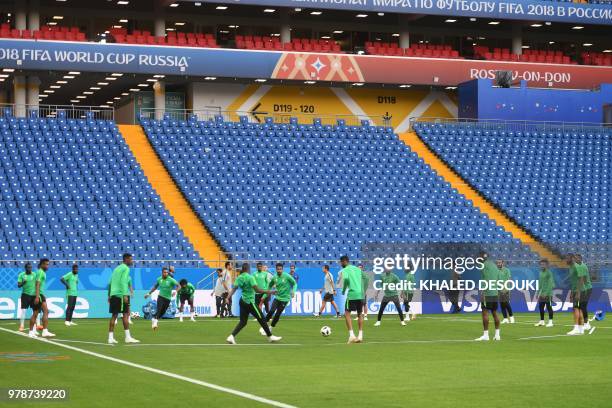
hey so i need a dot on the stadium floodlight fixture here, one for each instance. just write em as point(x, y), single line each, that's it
point(234, 26)
point(179, 23)
point(52, 23)
point(143, 85)
point(405, 86)
point(268, 10)
point(357, 84)
point(493, 22)
point(55, 86)
point(87, 93)
point(325, 37)
point(170, 29)
point(123, 2)
point(451, 87)
point(81, 97)
point(116, 74)
point(117, 98)
point(123, 20)
point(118, 26)
point(338, 31)
point(587, 44)
point(110, 79)
point(607, 51)
point(380, 14)
point(134, 89)
point(450, 20)
point(395, 35)
point(221, 7)
point(159, 76)
point(42, 96)
point(4, 75)
point(297, 9)
point(95, 88)
point(124, 94)
point(525, 46)
point(74, 73)
point(577, 27)
point(260, 80)
point(547, 23)
point(472, 18)
point(75, 100)
point(151, 80)
point(58, 17)
point(536, 25)
point(102, 83)
point(104, 106)
point(49, 91)
point(316, 13)
point(110, 102)
point(310, 82)
point(361, 15)
point(197, 4)
point(8, 70)
point(551, 42)
point(210, 78)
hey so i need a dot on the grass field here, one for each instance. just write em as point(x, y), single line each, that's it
point(431, 362)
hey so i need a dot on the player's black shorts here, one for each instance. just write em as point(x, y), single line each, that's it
point(585, 296)
point(27, 301)
point(490, 303)
point(117, 306)
point(408, 297)
point(184, 297)
point(258, 298)
point(545, 299)
point(328, 297)
point(37, 306)
point(354, 306)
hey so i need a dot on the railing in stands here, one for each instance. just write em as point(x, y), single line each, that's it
point(517, 125)
point(55, 111)
point(209, 113)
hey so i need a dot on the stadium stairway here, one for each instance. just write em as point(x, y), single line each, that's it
point(170, 195)
point(412, 140)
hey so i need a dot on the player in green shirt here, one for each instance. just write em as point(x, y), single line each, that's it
point(576, 286)
point(119, 290)
point(546, 284)
point(489, 297)
point(71, 281)
point(185, 294)
point(389, 283)
point(166, 284)
point(504, 295)
point(27, 282)
point(353, 288)
point(407, 295)
point(262, 278)
point(40, 302)
point(365, 282)
point(585, 286)
point(246, 282)
point(285, 286)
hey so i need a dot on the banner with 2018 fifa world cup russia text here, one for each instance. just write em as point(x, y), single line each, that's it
point(284, 65)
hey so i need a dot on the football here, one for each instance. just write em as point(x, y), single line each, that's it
point(325, 331)
point(135, 315)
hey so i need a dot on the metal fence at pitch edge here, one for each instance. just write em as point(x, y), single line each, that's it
point(517, 125)
point(211, 113)
point(56, 111)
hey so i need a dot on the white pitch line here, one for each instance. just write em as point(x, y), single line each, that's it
point(212, 344)
point(409, 342)
point(82, 341)
point(544, 337)
point(216, 387)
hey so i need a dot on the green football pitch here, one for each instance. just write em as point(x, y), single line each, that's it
point(431, 362)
